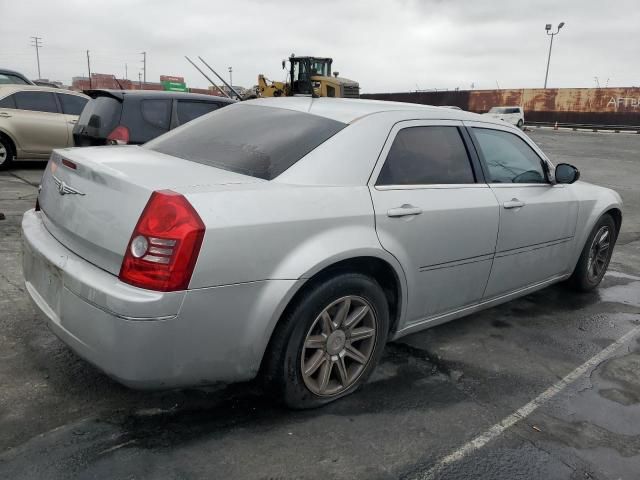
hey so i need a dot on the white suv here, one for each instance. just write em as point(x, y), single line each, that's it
point(512, 115)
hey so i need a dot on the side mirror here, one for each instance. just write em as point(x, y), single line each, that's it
point(566, 173)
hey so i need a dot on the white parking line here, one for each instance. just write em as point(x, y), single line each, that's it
point(523, 412)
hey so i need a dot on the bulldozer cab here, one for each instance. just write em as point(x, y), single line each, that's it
point(304, 69)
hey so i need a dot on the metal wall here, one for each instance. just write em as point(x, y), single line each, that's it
point(598, 106)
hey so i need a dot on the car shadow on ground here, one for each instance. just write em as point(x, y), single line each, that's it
point(411, 377)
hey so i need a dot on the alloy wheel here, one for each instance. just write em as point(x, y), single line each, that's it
point(599, 254)
point(3, 154)
point(338, 346)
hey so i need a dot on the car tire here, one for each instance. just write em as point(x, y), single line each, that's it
point(306, 340)
point(520, 124)
point(6, 153)
point(595, 256)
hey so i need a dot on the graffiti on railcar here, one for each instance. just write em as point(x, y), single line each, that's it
point(612, 106)
point(625, 102)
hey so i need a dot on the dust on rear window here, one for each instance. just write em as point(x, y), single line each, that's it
point(252, 140)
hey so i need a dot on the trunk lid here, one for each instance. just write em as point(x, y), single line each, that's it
point(93, 208)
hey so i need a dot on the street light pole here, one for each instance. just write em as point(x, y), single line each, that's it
point(231, 76)
point(551, 34)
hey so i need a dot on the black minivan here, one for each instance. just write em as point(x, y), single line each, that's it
point(119, 117)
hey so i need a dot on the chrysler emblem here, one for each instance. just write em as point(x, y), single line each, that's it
point(64, 189)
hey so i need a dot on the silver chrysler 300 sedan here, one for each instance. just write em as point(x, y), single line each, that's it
point(291, 238)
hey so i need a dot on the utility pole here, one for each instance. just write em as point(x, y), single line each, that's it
point(89, 67)
point(37, 42)
point(126, 73)
point(231, 76)
point(144, 66)
point(140, 80)
point(551, 34)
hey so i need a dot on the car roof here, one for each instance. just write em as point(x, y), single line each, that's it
point(348, 110)
point(11, 88)
point(120, 94)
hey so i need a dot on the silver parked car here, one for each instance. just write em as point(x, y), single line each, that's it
point(294, 237)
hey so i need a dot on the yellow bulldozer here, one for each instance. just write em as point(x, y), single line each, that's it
point(309, 76)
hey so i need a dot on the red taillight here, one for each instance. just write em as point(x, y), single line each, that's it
point(119, 136)
point(164, 246)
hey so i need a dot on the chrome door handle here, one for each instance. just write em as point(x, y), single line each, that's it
point(404, 211)
point(513, 203)
point(73, 122)
point(4, 115)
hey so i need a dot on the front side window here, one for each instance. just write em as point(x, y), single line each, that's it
point(36, 101)
point(72, 104)
point(188, 110)
point(509, 158)
point(427, 156)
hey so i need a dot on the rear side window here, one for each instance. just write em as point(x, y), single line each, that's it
point(427, 156)
point(513, 110)
point(72, 104)
point(188, 110)
point(252, 140)
point(8, 102)
point(157, 112)
point(100, 116)
point(36, 101)
point(509, 158)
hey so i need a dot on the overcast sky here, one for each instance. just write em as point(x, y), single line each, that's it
point(386, 45)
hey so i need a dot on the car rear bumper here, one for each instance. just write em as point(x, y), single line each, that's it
point(148, 339)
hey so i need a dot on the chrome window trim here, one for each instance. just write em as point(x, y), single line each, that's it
point(429, 186)
point(512, 185)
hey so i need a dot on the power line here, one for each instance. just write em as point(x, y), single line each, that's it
point(37, 42)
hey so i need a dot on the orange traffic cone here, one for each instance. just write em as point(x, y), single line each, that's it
point(555, 127)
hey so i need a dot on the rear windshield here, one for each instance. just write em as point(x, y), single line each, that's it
point(100, 115)
point(249, 139)
point(7, 78)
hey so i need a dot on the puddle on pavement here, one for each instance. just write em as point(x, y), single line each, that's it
point(582, 434)
point(624, 373)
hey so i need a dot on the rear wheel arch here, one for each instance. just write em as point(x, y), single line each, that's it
point(376, 268)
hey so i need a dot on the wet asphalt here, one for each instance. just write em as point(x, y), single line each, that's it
point(434, 392)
